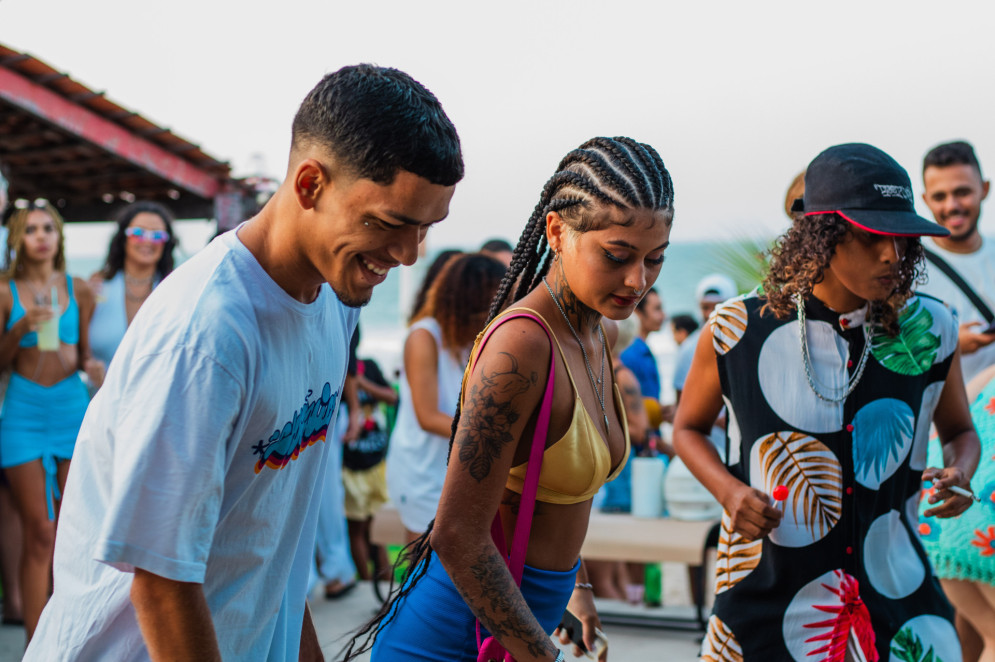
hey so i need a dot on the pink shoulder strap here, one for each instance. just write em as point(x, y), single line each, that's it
point(523, 527)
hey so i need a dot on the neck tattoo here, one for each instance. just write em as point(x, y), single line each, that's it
point(852, 382)
point(587, 363)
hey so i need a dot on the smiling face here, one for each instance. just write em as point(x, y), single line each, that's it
point(610, 269)
point(954, 194)
point(41, 237)
point(145, 250)
point(864, 267)
point(360, 229)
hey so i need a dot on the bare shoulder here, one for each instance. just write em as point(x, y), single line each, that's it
point(522, 340)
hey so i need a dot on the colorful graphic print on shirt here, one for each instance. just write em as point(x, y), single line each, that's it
point(308, 426)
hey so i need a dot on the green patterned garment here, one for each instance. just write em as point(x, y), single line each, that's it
point(964, 547)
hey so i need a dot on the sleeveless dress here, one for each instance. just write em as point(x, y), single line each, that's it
point(416, 459)
point(845, 571)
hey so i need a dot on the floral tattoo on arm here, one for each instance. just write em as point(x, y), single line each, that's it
point(488, 417)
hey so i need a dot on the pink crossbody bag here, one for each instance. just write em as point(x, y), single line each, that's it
point(489, 650)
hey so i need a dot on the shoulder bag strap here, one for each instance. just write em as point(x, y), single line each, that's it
point(959, 281)
point(523, 526)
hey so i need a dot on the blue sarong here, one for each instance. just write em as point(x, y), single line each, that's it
point(41, 423)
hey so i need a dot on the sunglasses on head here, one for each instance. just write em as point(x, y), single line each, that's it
point(151, 236)
point(31, 205)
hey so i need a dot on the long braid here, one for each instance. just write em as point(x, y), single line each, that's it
point(618, 172)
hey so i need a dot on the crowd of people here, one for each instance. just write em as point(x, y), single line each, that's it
point(186, 453)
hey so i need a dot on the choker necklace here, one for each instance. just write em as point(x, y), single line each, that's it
point(590, 373)
point(807, 361)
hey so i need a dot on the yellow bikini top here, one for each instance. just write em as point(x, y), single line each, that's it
point(575, 466)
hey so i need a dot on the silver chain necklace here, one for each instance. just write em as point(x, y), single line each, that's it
point(590, 373)
point(807, 361)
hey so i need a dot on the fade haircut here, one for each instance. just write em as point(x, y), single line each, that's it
point(377, 121)
point(958, 152)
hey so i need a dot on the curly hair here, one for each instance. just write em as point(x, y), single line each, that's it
point(800, 257)
point(460, 297)
point(431, 274)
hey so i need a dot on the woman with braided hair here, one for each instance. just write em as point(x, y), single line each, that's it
point(590, 250)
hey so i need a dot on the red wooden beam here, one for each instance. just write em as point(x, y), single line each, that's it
point(42, 102)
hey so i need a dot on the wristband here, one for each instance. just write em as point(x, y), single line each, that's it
point(585, 586)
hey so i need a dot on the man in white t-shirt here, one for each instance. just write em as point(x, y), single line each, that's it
point(954, 190)
point(189, 515)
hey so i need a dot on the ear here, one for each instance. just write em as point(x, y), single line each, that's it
point(309, 177)
point(556, 230)
point(984, 189)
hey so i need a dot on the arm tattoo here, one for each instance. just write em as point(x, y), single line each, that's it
point(487, 420)
point(501, 607)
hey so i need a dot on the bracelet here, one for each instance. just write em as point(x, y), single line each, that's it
point(586, 587)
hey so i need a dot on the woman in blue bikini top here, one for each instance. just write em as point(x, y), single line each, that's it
point(45, 400)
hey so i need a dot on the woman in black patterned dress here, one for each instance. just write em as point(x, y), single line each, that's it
point(832, 375)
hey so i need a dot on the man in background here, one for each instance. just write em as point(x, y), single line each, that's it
point(961, 266)
point(499, 249)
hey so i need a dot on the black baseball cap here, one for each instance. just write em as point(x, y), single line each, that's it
point(866, 187)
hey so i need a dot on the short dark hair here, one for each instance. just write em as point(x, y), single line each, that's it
point(642, 302)
point(378, 121)
point(958, 152)
point(684, 322)
point(115, 250)
point(496, 246)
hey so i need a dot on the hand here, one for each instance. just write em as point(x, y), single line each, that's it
point(971, 341)
point(582, 606)
point(953, 504)
point(355, 427)
point(751, 513)
point(95, 371)
point(36, 315)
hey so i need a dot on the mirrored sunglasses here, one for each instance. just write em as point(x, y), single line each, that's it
point(151, 236)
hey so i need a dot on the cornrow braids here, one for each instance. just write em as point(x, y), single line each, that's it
point(603, 171)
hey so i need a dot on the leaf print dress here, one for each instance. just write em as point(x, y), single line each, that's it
point(845, 573)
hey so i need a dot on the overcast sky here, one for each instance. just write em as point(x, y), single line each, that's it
point(736, 96)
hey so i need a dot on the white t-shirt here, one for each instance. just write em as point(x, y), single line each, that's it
point(416, 459)
point(199, 460)
point(978, 270)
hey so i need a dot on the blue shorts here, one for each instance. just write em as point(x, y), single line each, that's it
point(432, 623)
point(41, 423)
